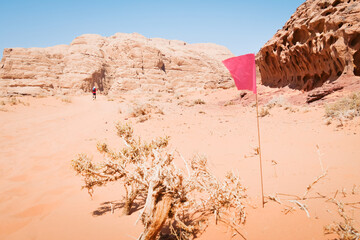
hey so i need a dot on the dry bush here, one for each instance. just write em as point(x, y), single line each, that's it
point(176, 200)
point(66, 99)
point(291, 109)
point(276, 101)
point(346, 108)
point(15, 101)
point(199, 101)
point(279, 101)
point(185, 103)
point(229, 103)
point(264, 112)
point(345, 230)
point(144, 111)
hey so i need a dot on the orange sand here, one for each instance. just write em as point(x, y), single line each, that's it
point(41, 197)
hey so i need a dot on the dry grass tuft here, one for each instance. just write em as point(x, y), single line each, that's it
point(229, 103)
point(199, 102)
point(264, 112)
point(14, 101)
point(143, 111)
point(66, 99)
point(346, 108)
point(176, 201)
point(277, 101)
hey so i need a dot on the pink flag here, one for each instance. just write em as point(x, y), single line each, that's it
point(242, 69)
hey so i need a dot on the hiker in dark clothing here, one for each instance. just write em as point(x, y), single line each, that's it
point(94, 92)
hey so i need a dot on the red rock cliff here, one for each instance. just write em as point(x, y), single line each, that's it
point(319, 43)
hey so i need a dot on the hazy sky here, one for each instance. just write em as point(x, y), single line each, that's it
point(243, 26)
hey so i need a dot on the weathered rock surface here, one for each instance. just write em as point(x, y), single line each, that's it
point(319, 43)
point(123, 62)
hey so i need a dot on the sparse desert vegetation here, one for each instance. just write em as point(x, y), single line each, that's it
point(143, 111)
point(66, 100)
point(121, 171)
point(264, 112)
point(199, 101)
point(345, 229)
point(345, 108)
point(13, 101)
point(179, 200)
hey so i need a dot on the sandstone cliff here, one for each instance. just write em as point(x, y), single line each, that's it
point(319, 43)
point(123, 62)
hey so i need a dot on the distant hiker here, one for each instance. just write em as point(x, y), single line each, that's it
point(94, 92)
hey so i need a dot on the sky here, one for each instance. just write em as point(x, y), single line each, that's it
point(243, 26)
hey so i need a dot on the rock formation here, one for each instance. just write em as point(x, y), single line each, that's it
point(123, 62)
point(319, 43)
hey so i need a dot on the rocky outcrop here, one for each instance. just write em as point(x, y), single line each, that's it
point(123, 62)
point(319, 43)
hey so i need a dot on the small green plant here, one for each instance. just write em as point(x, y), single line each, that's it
point(346, 108)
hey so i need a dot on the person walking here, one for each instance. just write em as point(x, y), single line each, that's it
point(94, 92)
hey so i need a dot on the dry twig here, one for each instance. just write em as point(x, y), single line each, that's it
point(312, 184)
point(302, 207)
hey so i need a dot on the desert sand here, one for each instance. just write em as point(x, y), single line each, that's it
point(41, 196)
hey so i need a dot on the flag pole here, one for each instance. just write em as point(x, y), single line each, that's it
point(258, 127)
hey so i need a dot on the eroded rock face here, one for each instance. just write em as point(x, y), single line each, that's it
point(123, 62)
point(319, 43)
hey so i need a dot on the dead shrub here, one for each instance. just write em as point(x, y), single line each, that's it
point(346, 108)
point(345, 230)
point(199, 102)
point(264, 112)
point(15, 101)
point(144, 111)
point(176, 200)
point(66, 99)
point(229, 103)
point(277, 101)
